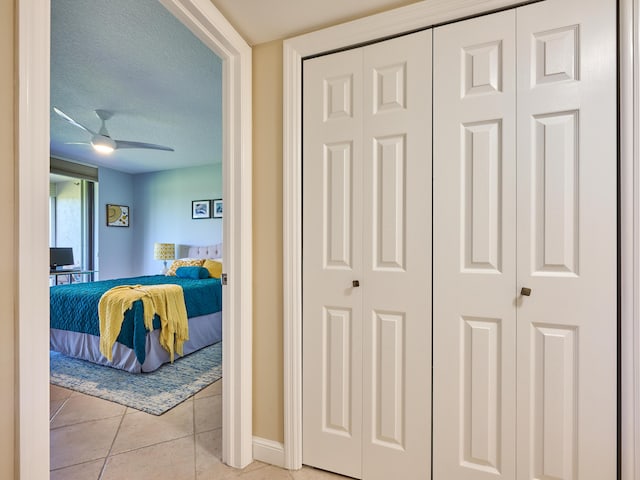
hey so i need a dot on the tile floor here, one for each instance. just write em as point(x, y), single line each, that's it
point(94, 439)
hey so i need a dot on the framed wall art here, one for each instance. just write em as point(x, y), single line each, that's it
point(217, 208)
point(200, 209)
point(117, 215)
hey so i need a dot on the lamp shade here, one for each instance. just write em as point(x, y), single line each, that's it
point(164, 251)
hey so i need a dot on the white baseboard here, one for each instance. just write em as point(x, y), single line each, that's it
point(268, 451)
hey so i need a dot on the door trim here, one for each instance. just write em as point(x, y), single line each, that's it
point(413, 17)
point(629, 237)
point(32, 173)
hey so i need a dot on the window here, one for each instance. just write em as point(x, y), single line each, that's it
point(72, 218)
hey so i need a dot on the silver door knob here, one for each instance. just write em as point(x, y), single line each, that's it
point(355, 283)
point(525, 292)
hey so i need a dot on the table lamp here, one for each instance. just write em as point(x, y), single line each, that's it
point(164, 252)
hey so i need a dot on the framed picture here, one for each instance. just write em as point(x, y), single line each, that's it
point(217, 208)
point(117, 215)
point(201, 209)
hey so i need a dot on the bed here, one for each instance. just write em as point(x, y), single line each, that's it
point(74, 328)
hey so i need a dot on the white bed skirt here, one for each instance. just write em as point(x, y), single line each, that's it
point(203, 331)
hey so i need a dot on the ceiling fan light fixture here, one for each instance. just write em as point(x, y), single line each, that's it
point(102, 148)
point(102, 144)
point(101, 141)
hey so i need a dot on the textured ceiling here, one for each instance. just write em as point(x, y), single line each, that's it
point(260, 21)
point(133, 58)
point(136, 60)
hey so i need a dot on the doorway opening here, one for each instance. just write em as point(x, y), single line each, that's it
point(204, 20)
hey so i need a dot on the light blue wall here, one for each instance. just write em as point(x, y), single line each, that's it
point(163, 205)
point(160, 211)
point(116, 244)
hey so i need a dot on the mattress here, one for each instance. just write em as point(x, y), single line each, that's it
point(203, 331)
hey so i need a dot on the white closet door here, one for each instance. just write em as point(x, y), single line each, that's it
point(396, 285)
point(474, 249)
point(332, 259)
point(367, 218)
point(562, 407)
point(567, 240)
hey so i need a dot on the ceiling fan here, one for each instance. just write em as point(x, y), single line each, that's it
point(101, 141)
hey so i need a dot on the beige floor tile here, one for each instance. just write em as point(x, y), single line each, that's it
point(209, 464)
point(59, 393)
point(309, 473)
point(208, 457)
point(133, 410)
point(54, 407)
point(214, 389)
point(84, 408)
point(255, 465)
point(82, 442)
point(211, 443)
point(208, 413)
point(171, 460)
point(267, 473)
point(85, 429)
point(215, 469)
point(142, 429)
point(84, 471)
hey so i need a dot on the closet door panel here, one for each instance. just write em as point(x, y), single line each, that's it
point(331, 237)
point(474, 249)
point(567, 240)
point(396, 283)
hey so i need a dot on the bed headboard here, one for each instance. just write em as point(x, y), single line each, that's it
point(208, 251)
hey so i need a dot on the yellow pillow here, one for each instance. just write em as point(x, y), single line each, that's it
point(183, 263)
point(215, 268)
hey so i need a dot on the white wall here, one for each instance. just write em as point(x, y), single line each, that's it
point(163, 202)
point(116, 244)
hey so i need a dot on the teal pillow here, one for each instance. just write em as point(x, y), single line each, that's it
point(192, 272)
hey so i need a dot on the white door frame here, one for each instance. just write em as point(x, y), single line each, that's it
point(421, 15)
point(32, 109)
point(629, 232)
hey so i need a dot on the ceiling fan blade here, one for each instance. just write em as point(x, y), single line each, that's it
point(72, 121)
point(149, 146)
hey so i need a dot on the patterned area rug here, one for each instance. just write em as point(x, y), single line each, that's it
point(154, 392)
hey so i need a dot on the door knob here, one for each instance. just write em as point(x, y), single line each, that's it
point(355, 283)
point(525, 292)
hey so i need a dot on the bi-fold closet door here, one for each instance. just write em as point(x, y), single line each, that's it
point(525, 244)
point(524, 254)
point(367, 260)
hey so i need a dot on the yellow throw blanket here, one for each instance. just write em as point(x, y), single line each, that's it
point(165, 300)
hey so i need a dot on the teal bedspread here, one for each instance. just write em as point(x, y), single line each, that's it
point(74, 307)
